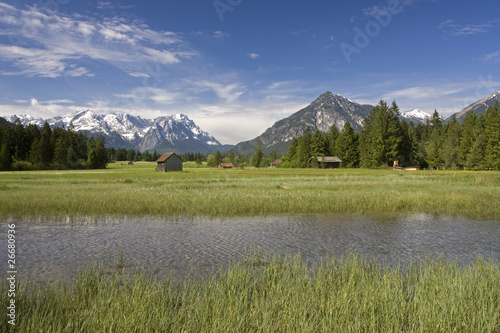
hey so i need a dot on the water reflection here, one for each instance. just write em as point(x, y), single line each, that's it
point(54, 251)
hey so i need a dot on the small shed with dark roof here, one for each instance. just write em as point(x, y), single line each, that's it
point(327, 162)
point(169, 162)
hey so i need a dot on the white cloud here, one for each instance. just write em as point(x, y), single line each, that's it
point(139, 74)
point(451, 28)
point(220, 34)
point(228, 92)
point(389, 7)
point(493, 57)
point(253, 55)
point(140, 96)
point(52, 44)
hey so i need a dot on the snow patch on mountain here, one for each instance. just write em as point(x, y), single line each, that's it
point(416, 115)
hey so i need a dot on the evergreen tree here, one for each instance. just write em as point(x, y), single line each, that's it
point(274, 156)
point(348, 147)
point(61, 153)
point(410, 154)
point(230, 156)
point(435, 142)
point(21, 141)
point(318, 144)
point(130, 155)
point(198, 159)
point(5, 157)
point(217, 158)
point(258, 155)
point(394, 135)
point(421, 138)
point(380, 137)
point(467, 138)
point(451, 144)
point(333, 136)
point(304, 149)
point(98, 158)
point(44, 147)
point(492, 129)
point(293, 152)
point(121, 154)
point(138, 156)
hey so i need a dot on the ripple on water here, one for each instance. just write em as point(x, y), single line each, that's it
point(54, 251)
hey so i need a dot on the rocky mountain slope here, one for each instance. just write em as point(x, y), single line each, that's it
point(327, 109)
point(478, 107)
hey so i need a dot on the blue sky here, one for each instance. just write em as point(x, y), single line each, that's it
point(237, 66)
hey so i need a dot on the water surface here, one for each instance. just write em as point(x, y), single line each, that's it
point(55, 251)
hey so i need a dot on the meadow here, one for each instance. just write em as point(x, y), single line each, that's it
point(259, 294)
point(265, 294)
point(138, 190)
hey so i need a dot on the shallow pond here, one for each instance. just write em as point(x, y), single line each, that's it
point(55, 251)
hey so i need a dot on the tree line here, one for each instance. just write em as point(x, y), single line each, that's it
point(32, 148)
point(384, 138)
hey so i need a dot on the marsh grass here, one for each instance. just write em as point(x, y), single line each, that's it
point(138, 190)
point(283, 295)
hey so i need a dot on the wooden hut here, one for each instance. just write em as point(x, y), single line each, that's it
point(275, 162)
point(328, 162)
point(226, 165)
point(169, 162)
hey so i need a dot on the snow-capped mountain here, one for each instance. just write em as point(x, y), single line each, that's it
point(169, 132)
point(121, 130)
point(416, 116)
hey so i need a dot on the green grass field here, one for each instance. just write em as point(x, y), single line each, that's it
point(255, 295)
point(138, 190)
point(349, 295)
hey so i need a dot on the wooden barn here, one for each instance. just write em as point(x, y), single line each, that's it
point(327, 162)
point(169, 162)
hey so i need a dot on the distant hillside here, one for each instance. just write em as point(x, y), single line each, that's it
point(3, 122)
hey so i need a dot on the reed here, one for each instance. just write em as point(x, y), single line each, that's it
point(138, 190)
point(282, 295)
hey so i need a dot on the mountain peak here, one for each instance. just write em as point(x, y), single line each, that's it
point(327, 110)
point(416, 116)
point(494, 95)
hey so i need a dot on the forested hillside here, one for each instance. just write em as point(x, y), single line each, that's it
point(29, 148)
point(384, 138)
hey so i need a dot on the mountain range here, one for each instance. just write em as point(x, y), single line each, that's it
point(180, 134)
point(175, 133)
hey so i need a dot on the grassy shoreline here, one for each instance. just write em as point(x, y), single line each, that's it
point(138, 191)
point(280, 295)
